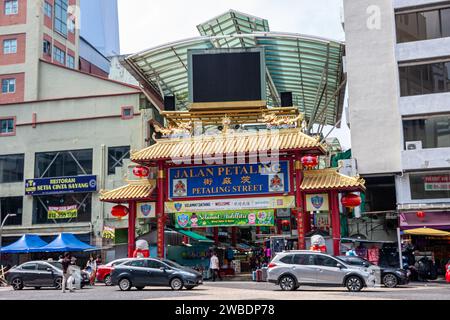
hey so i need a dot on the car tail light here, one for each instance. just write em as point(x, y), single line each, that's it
point(271, 265)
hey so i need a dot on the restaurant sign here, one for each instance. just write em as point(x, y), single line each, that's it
point(229, 180)
point(231, 204)
point(230, 218)
point(75, 184)
point(63, 212)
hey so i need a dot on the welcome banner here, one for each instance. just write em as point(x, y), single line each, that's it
point(234, 218)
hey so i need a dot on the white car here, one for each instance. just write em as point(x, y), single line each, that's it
point(291, 269)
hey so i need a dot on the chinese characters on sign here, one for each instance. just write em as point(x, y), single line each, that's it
point(229, 180)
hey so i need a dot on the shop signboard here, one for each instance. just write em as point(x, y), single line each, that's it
point(317, 202)
point(231, 218)
point(228, 180)
point(437, 183)
point(231, 204)
point(146, 210)
point(62, 212)
point(75, 184)
point(109, 233)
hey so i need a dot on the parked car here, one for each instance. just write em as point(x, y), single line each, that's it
point(39, 274)
point(104, 271)
point(390, 277)
point(291, 269)
point(142, 272)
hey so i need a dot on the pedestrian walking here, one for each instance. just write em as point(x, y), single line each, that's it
point(214, 266)
point(91, 267)
point(66, 262)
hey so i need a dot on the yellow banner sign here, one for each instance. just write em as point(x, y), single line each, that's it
point(65, 212)
point(230, 204)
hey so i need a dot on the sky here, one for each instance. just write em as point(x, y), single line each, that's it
point(148, 23)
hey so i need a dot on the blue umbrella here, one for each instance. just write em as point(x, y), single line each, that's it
point(66, 242)
point(26, 244)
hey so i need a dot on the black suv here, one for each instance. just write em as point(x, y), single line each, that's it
point(144, 272)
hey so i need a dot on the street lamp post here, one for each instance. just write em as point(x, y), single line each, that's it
point(1, 232)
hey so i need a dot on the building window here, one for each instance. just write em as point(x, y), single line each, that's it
point(116, 155)
point(423, 25)
point(48, 9)
point(431, 132)
point(127, 113)
point(424, 79)
point(430, 185)
point(9, 46)
point(47, 47)
point(70, 61)
point(13, 205)
point(71, 25)
point(11, 7)
point(59, 55)
point(11, 168)
point(8, 85)
point(61, 16)
point(7, 127)
point(80, 205)
point(63, 163)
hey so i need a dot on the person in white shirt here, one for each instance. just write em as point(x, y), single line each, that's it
point(214, 266)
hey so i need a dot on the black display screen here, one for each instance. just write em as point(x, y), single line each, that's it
point(223, 77)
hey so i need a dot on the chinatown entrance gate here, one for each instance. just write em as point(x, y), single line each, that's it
point(233, 178)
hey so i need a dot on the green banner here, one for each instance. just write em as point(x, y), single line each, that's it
point(65, 212)
point(234, 218)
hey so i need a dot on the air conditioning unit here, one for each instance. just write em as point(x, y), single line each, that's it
point(414, 145)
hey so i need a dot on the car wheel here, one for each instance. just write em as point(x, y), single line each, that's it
point(108, 280)
point(58, 283)
point(176, 284)
point(189, 287)
point(390, 280)
point(17, 284)
point(287, 283)
point(125, 284)
point(140, 288)
point(354, 284)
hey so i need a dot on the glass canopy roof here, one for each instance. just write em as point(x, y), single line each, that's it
point(309, 67)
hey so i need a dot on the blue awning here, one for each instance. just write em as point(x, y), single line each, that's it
point(26, 244)
point(66, 242)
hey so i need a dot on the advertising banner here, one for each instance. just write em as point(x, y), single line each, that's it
point(64, 212)
point(228, 180)
point(317, 202)
point(437, 183)
point(109, 233)
point(233, 218)
point(76, 184)
point(230, 204)
point(146, 210)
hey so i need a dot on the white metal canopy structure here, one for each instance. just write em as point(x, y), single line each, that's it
point(309, 67)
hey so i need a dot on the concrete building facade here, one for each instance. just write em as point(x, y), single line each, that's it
point(398, 67)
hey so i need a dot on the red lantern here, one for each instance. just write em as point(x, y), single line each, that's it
point(285, 223)
point(420, 214)
point(141, 172)
point(119, 211)
point(351, 201)
point(310, 161)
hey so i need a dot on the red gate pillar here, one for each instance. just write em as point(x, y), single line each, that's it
point(299, 203)
point(160, 209)
point(216, 235)
point(131, 227)
point(234, 236)
point(335, 221)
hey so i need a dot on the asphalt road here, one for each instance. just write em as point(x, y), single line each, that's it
point(235, 291)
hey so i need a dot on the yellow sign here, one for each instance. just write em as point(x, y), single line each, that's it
point(230, 204)
point(317, 202)
point(65, 212)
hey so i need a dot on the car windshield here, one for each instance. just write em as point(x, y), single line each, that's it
point(172, 264)
point(355, 261)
